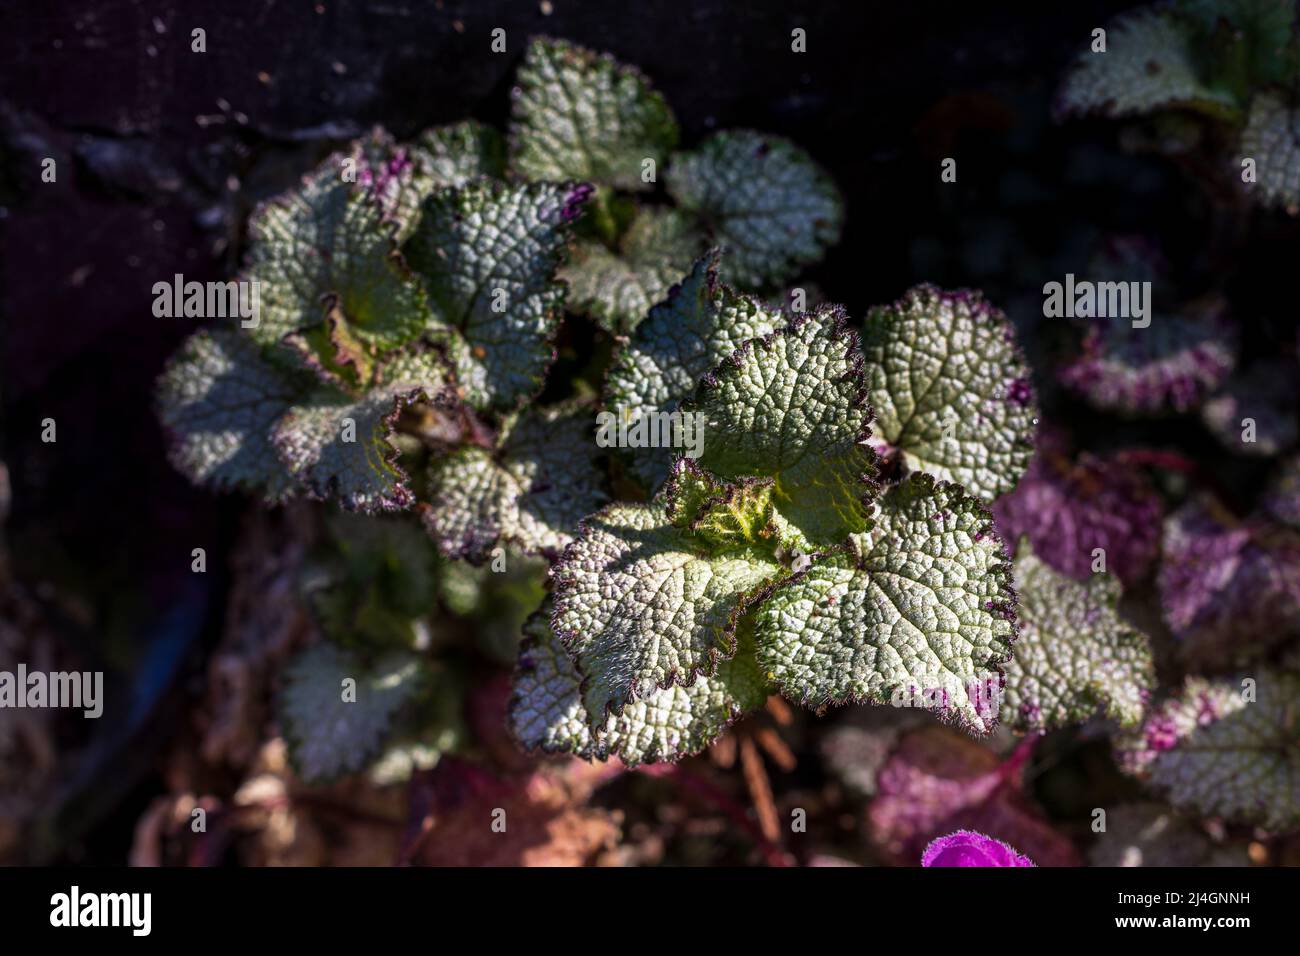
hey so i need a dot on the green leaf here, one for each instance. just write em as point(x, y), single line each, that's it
point(792, 406)
point(763, 199)
point(918, 611)
point(218, 400)
point(1215, 752)
point(394, 178)
point(641, 604)
point(1272, 140)
point(950, 388)
point(374, 582)
point(339, 445)
point(488, 253)
point(547, 713)
point(616, 288)
point(684, 337)
point(530, 492)
point(726, 514)
point(456, 154)
point(1148, 64)
point(330, 245)
point(581, 115)
point(329, 735)
point(1074, 655)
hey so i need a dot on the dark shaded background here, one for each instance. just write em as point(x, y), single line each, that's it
point(161, 153)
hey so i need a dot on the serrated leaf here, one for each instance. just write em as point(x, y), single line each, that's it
point(339, 445)
point(684, 337)
point(328, 735)
point(1074, 656)
point(330, 245)
point(763, 199)
point(1229, 589)
point(726, 514)
point(641, 604)
point(1070, 507)
point(394, 177)
point(950, 389)
point(581, 115)
point(1212, 751)
point(1173, 364)
point(530, 492)
point(461, 152)
point(792, 406)
point(919, 608)
point(218, 400)
point(616, 288)
point(547, 713)
point(1149, 64)
point(488, 253)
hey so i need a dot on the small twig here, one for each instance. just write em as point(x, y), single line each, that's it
point(703, 788)
point(723, 751)
point(760, 788)
point(776, 748)
point(779, 710)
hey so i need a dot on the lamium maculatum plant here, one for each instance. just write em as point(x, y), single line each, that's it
point(826, 535)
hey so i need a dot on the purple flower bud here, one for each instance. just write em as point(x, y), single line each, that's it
point(968, 848)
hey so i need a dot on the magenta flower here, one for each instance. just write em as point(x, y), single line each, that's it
point(968, 848)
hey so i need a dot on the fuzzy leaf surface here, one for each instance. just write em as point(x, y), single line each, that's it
point(1149, 64)
point(920, 607)
point(763, 199)
point(950, 388)
point(642, 604)
point(618, 288)
point(792, 406)
point(453, 155)
point(328, 735)
point(530, 492)
point(329, 246)
point(683, 338)
point(338, 445)
point(581, 115)
point(1213, 752)
point(488, 253)
point(547, 713)
point(218, 399)
point(1075, 655)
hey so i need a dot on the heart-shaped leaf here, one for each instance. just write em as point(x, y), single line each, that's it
point(582, 115)
point(917, 611)
point(699, 324)
point(761, 198)
point(1074, 655)
point(488, 253)
point(950, 388)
